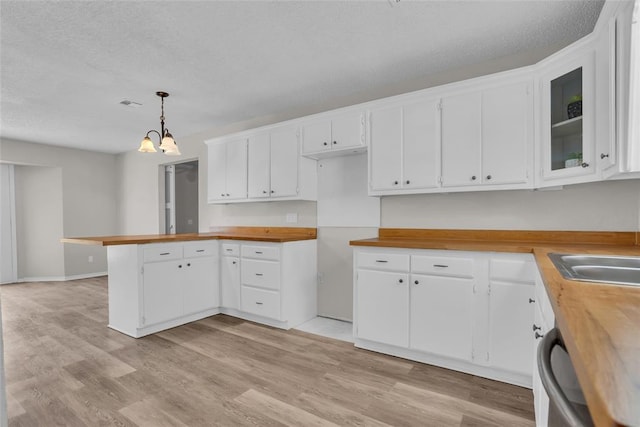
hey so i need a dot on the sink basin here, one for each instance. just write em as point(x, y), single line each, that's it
point(619, 270)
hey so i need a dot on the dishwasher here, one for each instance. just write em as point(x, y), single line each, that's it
point(567, 406)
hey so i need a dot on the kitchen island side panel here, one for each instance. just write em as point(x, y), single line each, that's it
point(124, 290)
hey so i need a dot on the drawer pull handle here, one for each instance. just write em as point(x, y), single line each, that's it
point(258, 303)
point(440, 266)
point(165, 253)
point(381, 260)
point(258, 274)
point(229, 250)
point(199, 250)
point(259, 252)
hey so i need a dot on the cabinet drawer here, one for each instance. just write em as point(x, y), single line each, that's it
point(162, 252)
point(264, 274)
point(261, 302)
point(231, 249)
point(442, 266)
point(382, 261)
point(198, 249)
point(512, 270)
point(261, 252)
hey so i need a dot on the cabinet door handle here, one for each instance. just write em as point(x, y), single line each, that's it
point(381, 260)
point(536, 327)
point(488, 176)
point(473, 178)
point(400, 281)
point(538, 336)
point(229, 250)
point(227, 194)
point(395, 182)
point(335, 142)
point(264, 191)
point(531, 300)
point(408, 181)
point(222, 194)
point(165, 253)
point(199, 250)
point(259, 274)
point(602, 155)
point(585, 165)
point(258, 303)
point(258, 252)
point(273, 191)
point(440, 266)
point(180, 266)
point(325, 143)
point(416, 282)
point(188, 264)
point(234, 262)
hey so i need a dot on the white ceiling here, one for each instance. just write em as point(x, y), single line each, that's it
point(65, 66)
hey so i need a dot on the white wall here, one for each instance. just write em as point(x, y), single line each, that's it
point(606, 206)
point(88, 197)
point(8, 266)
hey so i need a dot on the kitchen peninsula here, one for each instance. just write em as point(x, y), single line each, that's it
point(263, 274)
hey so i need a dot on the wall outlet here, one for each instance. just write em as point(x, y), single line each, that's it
point(291, 217)
point(90, 258)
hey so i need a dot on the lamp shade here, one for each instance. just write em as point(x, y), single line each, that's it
point(168, 145)
point(146, 146)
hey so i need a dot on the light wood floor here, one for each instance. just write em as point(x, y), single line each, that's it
point(65, 367)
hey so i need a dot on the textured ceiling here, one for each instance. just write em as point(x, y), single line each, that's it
point(65, 66)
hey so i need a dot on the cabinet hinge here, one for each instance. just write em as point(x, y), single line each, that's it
point(474, 288)
point(142, 269)
point(440, 106)
point(440, 179)
point(487, 356)
point(473, 356)
point(144, 320)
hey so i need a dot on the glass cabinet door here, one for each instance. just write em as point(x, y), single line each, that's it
point(566, 120)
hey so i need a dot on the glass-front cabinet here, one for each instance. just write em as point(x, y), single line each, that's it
point(567, 118)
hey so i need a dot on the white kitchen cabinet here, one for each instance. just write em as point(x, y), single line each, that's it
point(404, 147)
point(461, 139)
point(230, 275)
point(511, 310)
point(197, 293)
point(270, 283)
point(468, 311)
point(382, 307)
point(335, 135)
point(567, 117)
point(227, 178)
point(487, 136)
point(157, 286)
point(273, 164)
point(544, 322)
point(162, 291)
point(433, 301)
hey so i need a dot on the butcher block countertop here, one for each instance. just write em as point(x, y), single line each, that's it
point(600, 323)
point(258, 234)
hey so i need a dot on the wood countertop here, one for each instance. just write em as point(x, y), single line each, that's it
point(258, 234)
point(600, 323)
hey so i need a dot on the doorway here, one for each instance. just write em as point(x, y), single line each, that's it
point(181, 197)
point(8, 252)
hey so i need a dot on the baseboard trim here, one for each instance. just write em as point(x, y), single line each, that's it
point(61, 278)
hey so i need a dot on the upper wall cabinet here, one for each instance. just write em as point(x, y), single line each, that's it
point(227, 178)
point(274, 165)
point(334, 136)
point(404, 153)
point(487, 137)
point(567, 101)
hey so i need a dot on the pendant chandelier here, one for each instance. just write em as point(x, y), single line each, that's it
point(167, 143)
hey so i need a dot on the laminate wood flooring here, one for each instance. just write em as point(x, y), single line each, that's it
point(64, 367)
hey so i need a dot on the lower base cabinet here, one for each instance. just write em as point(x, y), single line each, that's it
point(467, 311)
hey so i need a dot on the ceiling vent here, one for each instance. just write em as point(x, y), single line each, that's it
point(130, 104)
